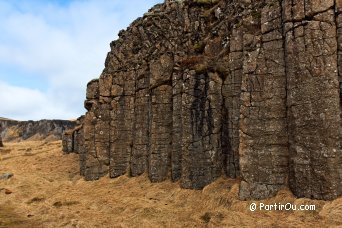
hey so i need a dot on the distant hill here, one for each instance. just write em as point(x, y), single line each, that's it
point(2, 118)
point(13, 130)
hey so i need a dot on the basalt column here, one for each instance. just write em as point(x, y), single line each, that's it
point(201, 119)
point(94, 158)
point(313, 98)
point(140, 150)
point(263, 128)
point(122, 120)
point(161, 118)
point(231, 91)
point(177, 126)
point(80, 147)
point(338, 9)
point(68, 141)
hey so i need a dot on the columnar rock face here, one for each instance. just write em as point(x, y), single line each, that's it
point(68, 141)
point(263, 125)
point(198, 89)
point(313, 101)
point(72, 138)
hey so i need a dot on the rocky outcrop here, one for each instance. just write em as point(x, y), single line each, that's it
point(12, 130)
point(71, 137)
point(198, 89)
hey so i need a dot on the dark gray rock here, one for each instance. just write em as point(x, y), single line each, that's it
point(68, 141)
point(198, 89)
point(6, 176)
point(257, 191)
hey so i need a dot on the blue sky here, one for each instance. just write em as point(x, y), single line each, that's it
point(49, 50)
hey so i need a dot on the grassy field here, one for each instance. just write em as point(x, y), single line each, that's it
point(46, 190)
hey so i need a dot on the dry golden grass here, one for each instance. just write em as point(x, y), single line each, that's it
point(47, 191)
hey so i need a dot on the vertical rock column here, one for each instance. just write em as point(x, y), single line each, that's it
point(313, 99)
point(92, 161)
point(201, 115)
point(102, 125)
point(140, 152)
point(177, 126)
point(76, 140)
point(338, 19)
point(161, 137)
point(68, 141)
point(338, 10)
point(231, 91)
point(78, 135)
point(263, 127)
point(122, 119)
point(81, 150)
point(161, 118)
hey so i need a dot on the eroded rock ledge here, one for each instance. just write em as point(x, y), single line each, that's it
point(198, 89)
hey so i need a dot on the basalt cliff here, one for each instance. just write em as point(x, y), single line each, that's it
point(197, 89)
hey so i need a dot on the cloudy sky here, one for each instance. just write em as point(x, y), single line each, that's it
point(50, 49)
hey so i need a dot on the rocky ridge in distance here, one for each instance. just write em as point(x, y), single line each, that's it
point(13, 130)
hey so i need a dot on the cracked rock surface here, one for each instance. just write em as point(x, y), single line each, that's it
point(194, 90)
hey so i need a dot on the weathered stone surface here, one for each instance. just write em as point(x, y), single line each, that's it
point(68, 141)
point(72, 139)
point(94, 159)
point(198, 89)
point(314, 123)
point(121, 125)
point(263, 127)
point(141, 132)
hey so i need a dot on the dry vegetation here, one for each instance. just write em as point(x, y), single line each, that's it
point(46, 190)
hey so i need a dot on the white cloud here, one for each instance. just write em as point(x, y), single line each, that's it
point(65, 44)
point(20, 103)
